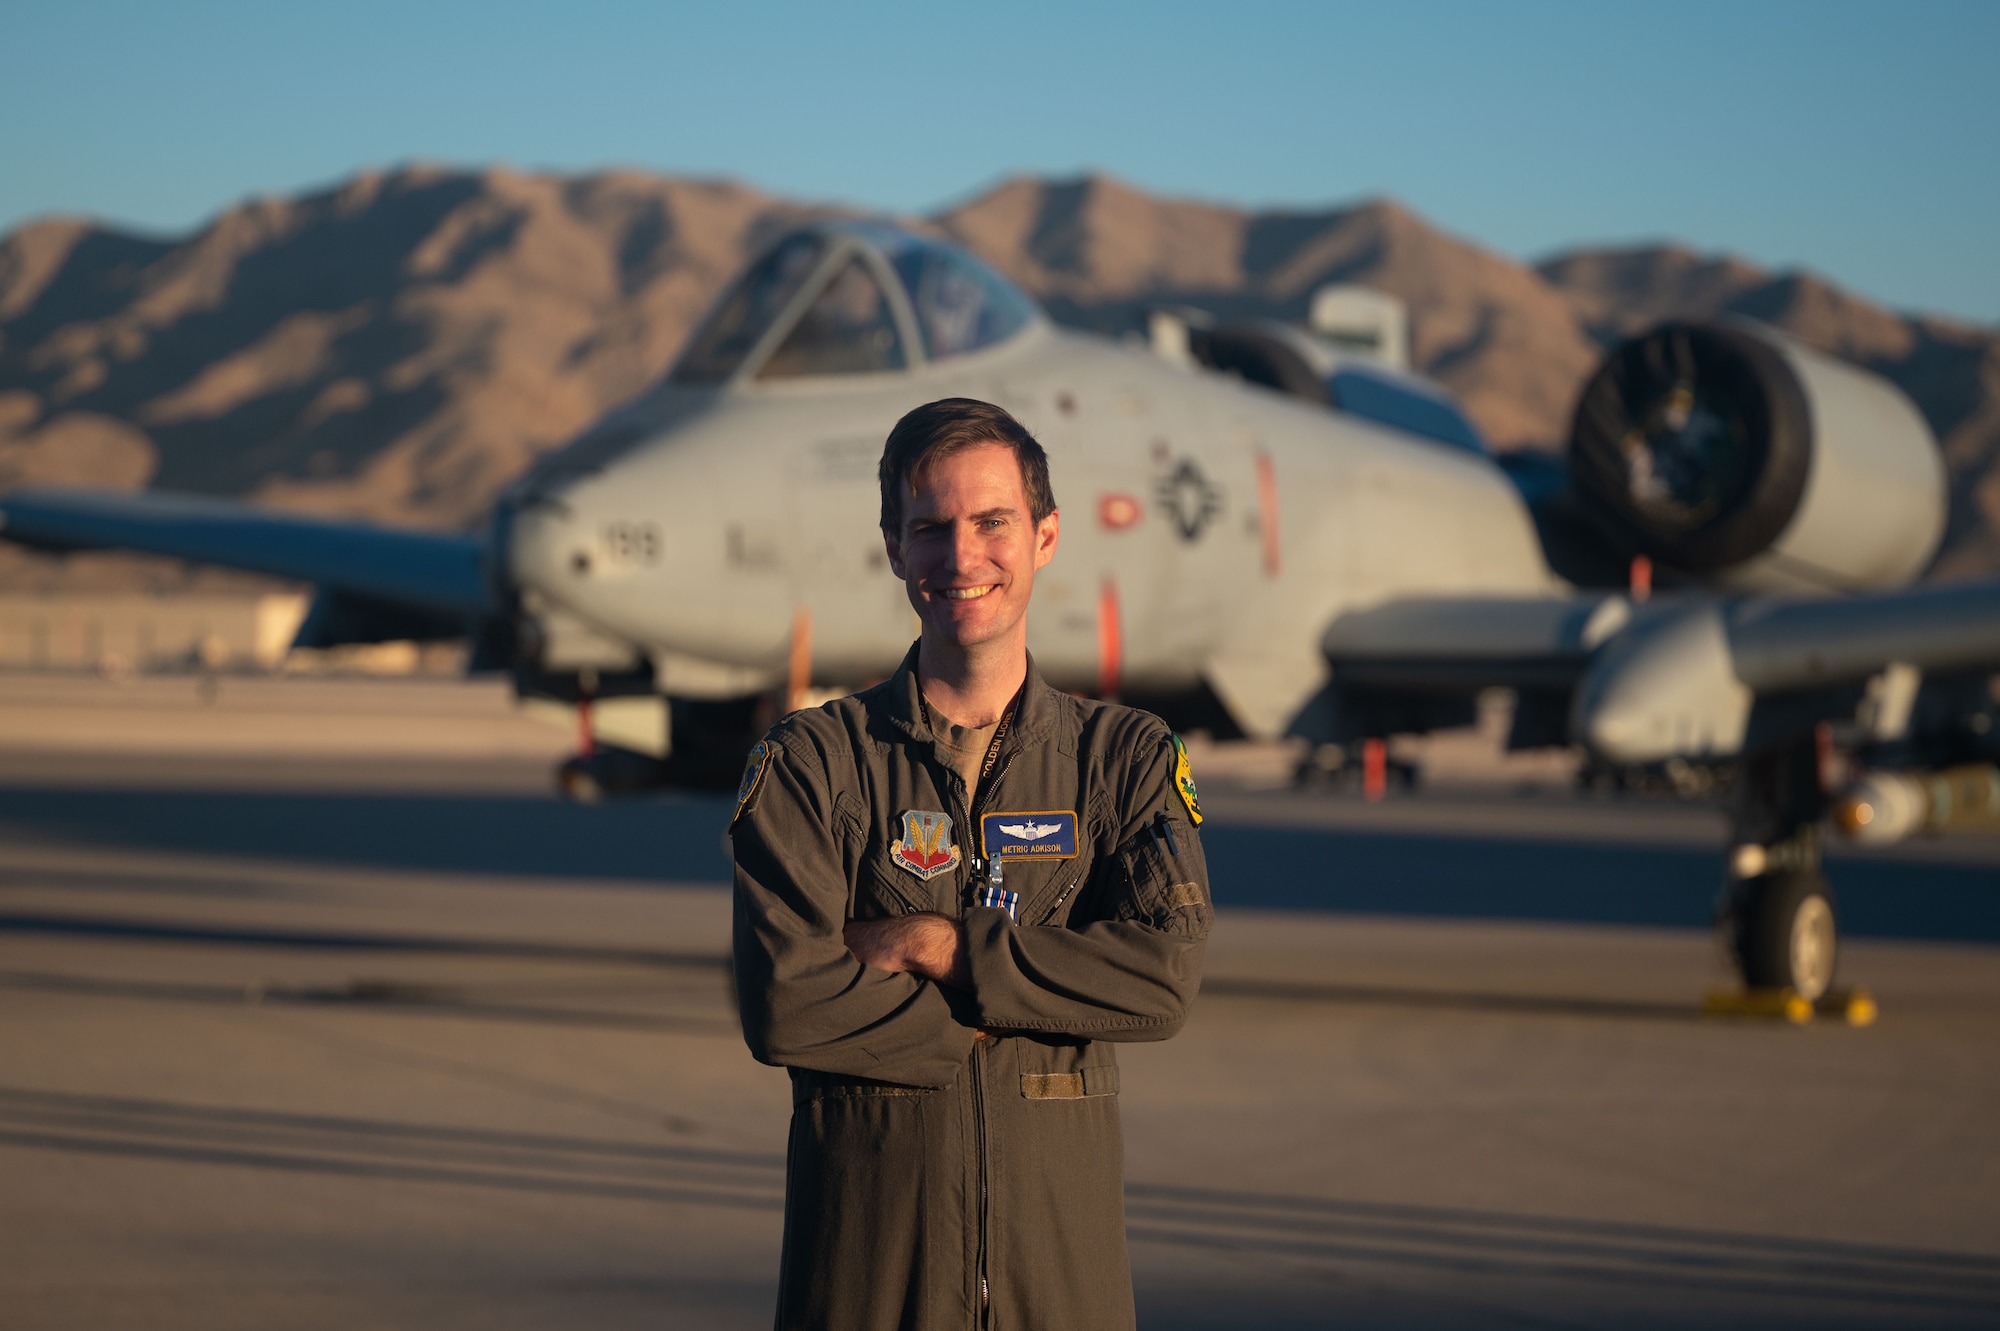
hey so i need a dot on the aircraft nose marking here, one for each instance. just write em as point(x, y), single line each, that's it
point(1117, 512)
point(1188, 499)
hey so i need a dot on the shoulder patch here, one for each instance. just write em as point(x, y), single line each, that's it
point(1184, 780)
point(753, 776)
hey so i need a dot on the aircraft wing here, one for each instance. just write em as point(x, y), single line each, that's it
point(1443, 643)
point(1419, 663)
point(1688, 676)
point(433, 572)
point(1702, 676)
point(1782, 644)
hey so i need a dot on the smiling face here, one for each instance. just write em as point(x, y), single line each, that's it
point(968, 548)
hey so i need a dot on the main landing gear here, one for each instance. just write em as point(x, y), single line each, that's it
point(1777, 914)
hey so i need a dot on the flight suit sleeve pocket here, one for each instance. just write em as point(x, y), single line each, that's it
point(1165, 879)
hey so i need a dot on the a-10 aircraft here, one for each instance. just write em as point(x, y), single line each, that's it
point(1265, 537)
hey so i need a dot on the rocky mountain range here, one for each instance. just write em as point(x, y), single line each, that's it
point(401, 345)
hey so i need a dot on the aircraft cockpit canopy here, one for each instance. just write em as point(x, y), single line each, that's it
point(853, 298)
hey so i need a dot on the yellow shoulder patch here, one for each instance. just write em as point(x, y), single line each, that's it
point(1184, 780)
point(753, 775)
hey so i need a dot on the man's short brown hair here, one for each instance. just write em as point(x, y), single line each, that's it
point(951, 425)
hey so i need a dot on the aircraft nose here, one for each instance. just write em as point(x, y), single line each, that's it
point(546, 547)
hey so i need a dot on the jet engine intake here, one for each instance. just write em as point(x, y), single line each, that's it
point(1737, 456)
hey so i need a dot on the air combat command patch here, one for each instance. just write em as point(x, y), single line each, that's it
point(925, 848)
point(1184, 780)
point(753, 773)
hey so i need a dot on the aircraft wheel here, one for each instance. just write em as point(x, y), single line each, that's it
point(1786, 933)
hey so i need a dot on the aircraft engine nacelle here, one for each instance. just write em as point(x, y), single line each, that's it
point(1732, 455)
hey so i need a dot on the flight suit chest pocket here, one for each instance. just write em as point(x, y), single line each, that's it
point(874, 893)
point(1049, 891)
point(877, 894)
point(901, 868)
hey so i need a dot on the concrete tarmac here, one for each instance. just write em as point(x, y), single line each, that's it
point(332, 1039)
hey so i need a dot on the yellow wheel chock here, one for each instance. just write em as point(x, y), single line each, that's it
point(1856, 1007)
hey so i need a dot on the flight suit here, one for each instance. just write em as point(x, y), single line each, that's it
point(934, 1180)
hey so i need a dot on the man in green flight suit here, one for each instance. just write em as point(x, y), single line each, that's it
point(955, 892)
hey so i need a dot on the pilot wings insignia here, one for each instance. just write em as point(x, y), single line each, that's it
point(1029, 831)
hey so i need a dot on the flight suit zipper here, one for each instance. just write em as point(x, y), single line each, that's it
point(979, 1144)
point(972, 810)
point(1062, 896)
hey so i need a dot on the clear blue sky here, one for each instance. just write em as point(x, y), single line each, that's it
point(1860, 140)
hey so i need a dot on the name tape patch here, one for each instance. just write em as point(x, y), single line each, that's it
point(1043, 834)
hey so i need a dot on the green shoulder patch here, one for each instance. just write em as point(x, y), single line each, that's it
point(1184, 780)
point(753, 775)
